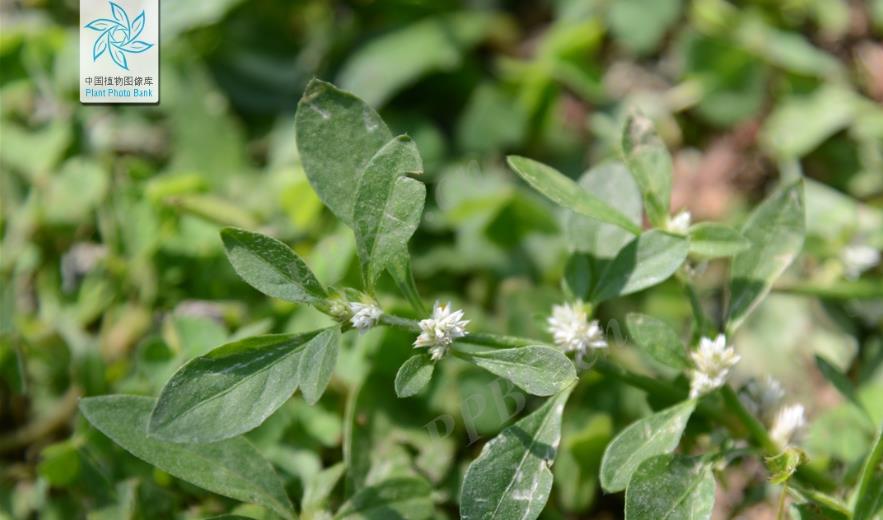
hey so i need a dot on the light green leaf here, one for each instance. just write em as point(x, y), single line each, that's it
point(536, 369)
point(319, 488)
point(413, 375)
point(650, 164)
point(869, 491)
point(658, 340)
point(654, 435)
point(782, 465)
point(712, 240)
point(232, 389)
point(670, 487)
point(775, 230)
point(401, 497)
point(337, 134)
point(639, 25)
point(317, 364)
point(801, 123)
point(388, 207)
point(271, 267)
point(231, 467)
point(564, 192)
point(646, 261)
point(511, 477)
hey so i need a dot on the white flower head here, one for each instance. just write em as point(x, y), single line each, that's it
point(762, 397)
point(788, 423)
point(440, 330)
point(364, 315)
point(570, 326)
point(680, 223)
point(858, 259)
point(713, 361)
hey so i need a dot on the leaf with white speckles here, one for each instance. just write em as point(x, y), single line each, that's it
point(654, 435)
point(670, 487)
point(511, 478)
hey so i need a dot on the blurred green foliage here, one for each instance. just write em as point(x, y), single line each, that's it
point(112, 274)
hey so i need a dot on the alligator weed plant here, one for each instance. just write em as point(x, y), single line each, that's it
point(667, 464)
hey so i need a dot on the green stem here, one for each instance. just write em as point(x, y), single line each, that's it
point(820, 498)
point(869, 469)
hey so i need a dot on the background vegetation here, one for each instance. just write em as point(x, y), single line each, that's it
point(112, 273)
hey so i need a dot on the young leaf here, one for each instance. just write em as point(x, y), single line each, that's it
point(670, 487)
point(564, 192)
point(399, 497)
point(654, 435)
point(650, 164)
point(271, 267)
point(511, 477)
point(317, 364)
point(232, 389)
point(536, 369)
point(646, 261)
point(337, 134)
point(658, 340)
point(712, 240)
point(231, 467)
point(413, 375)
point(388, 206)
point(775, 230)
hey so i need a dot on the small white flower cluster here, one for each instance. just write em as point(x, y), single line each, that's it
point(858, 259)
point(364, 316)
point(440, 330)
point(680, 223)
point(570, 327)
point(764, 399)
point(713, 361)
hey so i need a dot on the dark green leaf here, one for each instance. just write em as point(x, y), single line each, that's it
point(713, 240)
point(654, 435)
point(271, 267)
point(646, 261)
point(658, 340)
point(650, 164)
point(670, 487)
point(317, 364)
point(536, 369)
point(231, 467)
point(413, 375)
point(840, 382)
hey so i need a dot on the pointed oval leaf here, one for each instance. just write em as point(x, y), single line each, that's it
point(414, 375)
point(653, 435)
point(317, 364)
point(658, 340)
point(511, 477)
point(711, 240)
point(650, 164)
point(231, 467)
point(337, 134)
point(646, 261)
point(670, 487)
point(564, 192)
point(775, 230)
point(271, 267)
point(232, 389)
point(536, 369)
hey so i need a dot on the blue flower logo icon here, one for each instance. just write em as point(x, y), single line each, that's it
point(119, 36)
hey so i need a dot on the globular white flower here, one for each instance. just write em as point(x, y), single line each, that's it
point(570, 327)
point(787, 424)
point(713, 361)
point(365, 315)
point(680, 223)
point(858, 259)
point(763, 397)
point(440, 330)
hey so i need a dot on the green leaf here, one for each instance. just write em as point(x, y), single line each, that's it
point(271, 267)
point(650, 164)
point(413, 375)
point(658, 340)
point(564, 192)
point(233, 388)
point(317, 364)
point(842, 383)
point(319, 488)
point(869, 491)
point(231, 467)
point(536, 369)
point(511, 477)
point(670, 487)
point(775, 230)
point(401, 497)
point(639, 25)
point(712, 240)
point(337, 134)
point(388, 207)
point(654, 435)
point(801, 123)
point(782, 465)
point(646, 261)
